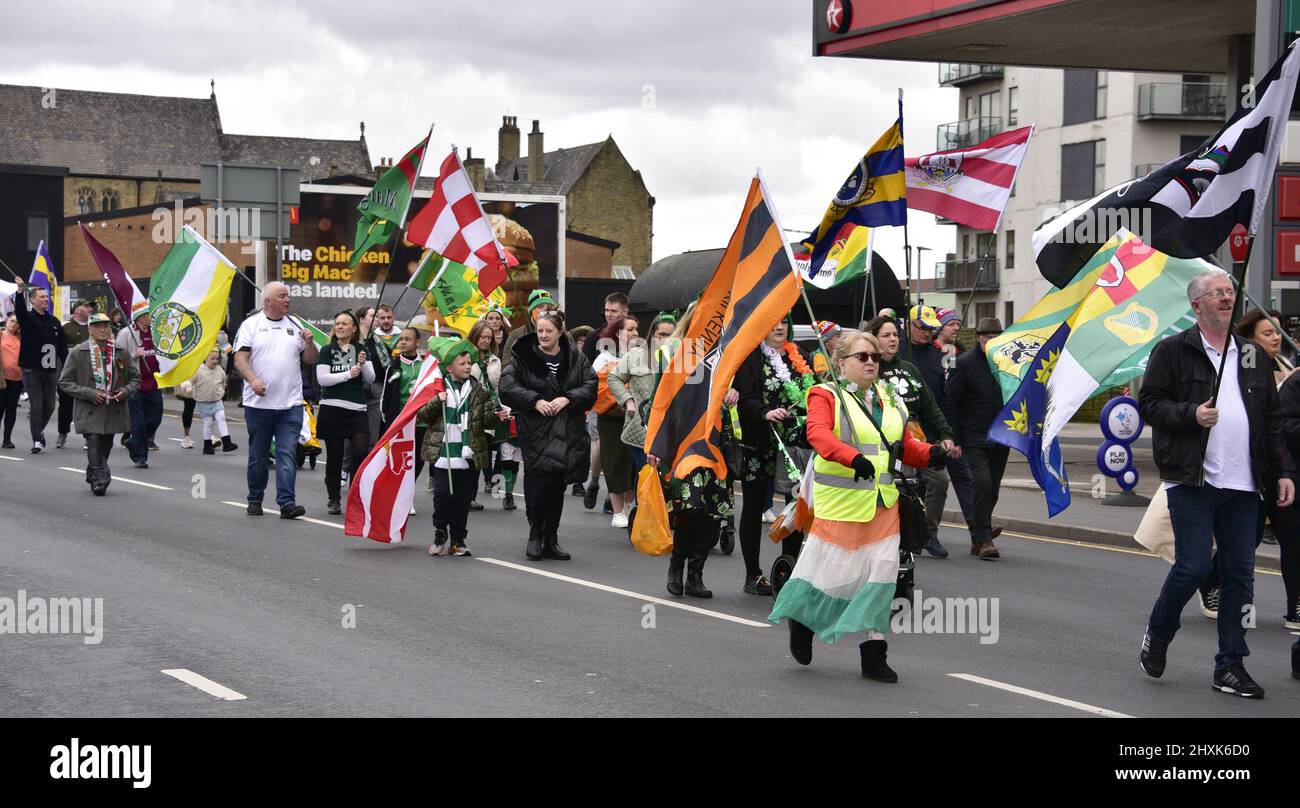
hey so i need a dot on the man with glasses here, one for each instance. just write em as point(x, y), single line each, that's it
point(1217, 455)
point(976, 400)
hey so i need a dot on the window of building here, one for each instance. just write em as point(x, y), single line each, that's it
point(1100, 109)
point(1098, 166)
point(1009, 310)
point(972, 106)
point(1078, 170)
point(110, 201)
point(38, 230)
point(984, 244)
point(1188, 143)
point(989, 104)
point(989, 309)
point(1079, 102)
point(85, 200)
point(1010, 261)
point(965, 245)
point(1013, 106)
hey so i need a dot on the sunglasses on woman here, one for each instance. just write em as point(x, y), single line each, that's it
point(866, 356)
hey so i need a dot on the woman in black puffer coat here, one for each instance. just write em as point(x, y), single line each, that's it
point(549, 385)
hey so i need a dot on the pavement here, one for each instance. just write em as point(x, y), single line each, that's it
point(256, 616)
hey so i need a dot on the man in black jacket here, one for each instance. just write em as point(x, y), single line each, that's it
point(976, 400)
point(44, 347)
point(1218, 457)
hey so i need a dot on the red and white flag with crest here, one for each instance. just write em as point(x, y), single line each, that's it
point(969, 186)
point(452, 223)
point(381, 496)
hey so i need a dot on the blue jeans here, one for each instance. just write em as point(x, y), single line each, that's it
point(284, 426)
point(146, 414)
point(1229, 517)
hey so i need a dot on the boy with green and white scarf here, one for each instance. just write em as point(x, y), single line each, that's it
point(456, 443)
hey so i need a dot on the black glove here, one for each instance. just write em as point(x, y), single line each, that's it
point(863, 469)
point(938, 457)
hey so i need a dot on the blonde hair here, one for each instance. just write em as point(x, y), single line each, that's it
point(848, 339)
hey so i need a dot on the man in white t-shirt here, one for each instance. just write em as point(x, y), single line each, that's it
point(269, 351)
point(1219, 454)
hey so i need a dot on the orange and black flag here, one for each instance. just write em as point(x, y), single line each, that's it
point(753, 288)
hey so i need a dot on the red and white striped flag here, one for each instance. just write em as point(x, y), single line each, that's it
point(969, 186)
point(452, 223)
point(381, 496)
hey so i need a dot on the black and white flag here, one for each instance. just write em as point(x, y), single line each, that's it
point(1187, 207)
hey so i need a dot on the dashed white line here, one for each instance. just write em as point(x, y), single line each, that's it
point(1076, 705)
point(244, 505)
point(625, 593)
point(205, 684)
point(118, 479)
point(7, 457)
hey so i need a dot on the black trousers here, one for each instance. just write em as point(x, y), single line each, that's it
point(986, 464)
point(12, 392)
point(693, 532)
point(452, 494)
point(187, 413)
point(65, 413)
point(751, 523)
point(547, 493)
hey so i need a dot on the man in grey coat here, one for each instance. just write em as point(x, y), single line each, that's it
point(100, 377)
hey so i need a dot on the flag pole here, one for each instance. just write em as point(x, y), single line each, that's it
point(258, 289)
point(970, 301)
point(1238, 283)
point(401, 224)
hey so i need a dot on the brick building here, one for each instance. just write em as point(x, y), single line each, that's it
point(121, 153)
point(604, 196)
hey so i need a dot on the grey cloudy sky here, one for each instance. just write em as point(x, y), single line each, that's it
point(697, 94)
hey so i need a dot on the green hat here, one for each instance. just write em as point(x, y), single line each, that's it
point(446, 349)
point(99, 317)
point(540, 297)
point(83, 302)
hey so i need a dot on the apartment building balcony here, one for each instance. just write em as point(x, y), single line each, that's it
point(957, 74)
point(1143, 169)
point(1182, 101)
point(959, 276)
point(964, 134)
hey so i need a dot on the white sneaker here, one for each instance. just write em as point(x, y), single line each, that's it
point(439, 549)
point(412, 510)
point(768, 517)
point(620, 520)
point(187, 443)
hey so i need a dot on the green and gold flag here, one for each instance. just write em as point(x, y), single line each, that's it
point(383, 211)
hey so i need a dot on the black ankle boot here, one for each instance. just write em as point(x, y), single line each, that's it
point(228, 445)
point(551, 549)
point(534, 547)
point(801, 638)
point(695, 576)
point(675, 568)
point(208, 447)
point(873, 661)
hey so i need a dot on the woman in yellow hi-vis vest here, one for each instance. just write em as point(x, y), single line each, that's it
point(844, 579)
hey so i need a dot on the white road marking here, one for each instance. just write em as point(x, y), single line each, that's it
point(205, 684)
point(625, 593)
point(244, 505)
point(1077, 705)
point(7, 457)
point(118, 479)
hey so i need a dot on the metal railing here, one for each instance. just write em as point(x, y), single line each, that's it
point(959, 276)
point(1194, 101)
point(954, 74)
point(963, 134)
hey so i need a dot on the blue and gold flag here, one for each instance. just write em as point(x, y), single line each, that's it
point(874, 195)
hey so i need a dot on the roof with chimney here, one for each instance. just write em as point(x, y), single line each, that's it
point(563, 169)
point(140, 136)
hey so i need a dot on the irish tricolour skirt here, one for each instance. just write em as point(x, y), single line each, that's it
point(845, 577)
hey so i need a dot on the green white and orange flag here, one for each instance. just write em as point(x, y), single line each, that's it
point(383, 211)
point(187, 300)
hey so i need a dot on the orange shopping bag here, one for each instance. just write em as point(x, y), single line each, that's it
point(650, 533)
